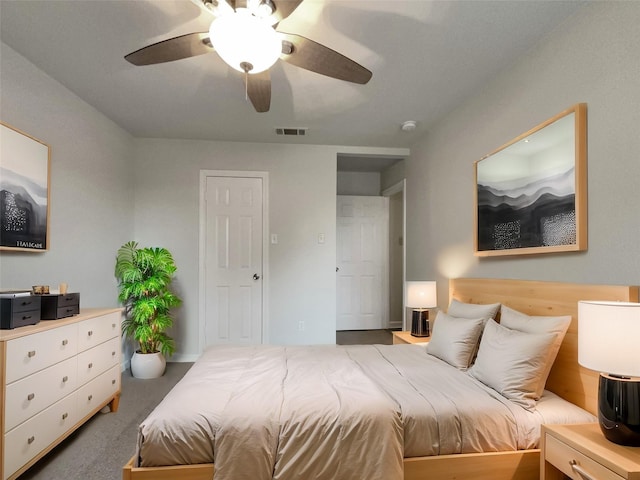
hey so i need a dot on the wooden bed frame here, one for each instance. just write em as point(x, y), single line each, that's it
point(567, 379)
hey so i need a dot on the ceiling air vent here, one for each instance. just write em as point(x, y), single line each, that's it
point(296, 132)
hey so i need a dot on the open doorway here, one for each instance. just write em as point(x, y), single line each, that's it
point(381, 177)
point(397, 254)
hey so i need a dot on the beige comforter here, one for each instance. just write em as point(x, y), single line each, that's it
point(326, 412)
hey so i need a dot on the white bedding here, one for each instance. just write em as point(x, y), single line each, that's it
point(318, 412)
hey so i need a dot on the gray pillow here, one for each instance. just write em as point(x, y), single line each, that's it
point(512, 362)
point(455, 340)
point(515, 320)
point(472, 310)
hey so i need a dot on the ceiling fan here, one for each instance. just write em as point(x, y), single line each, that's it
point(244, 33)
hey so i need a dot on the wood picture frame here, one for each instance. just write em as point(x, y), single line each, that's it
point(25, 189)
point(531, 193)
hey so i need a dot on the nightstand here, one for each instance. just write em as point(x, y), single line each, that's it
point(406, 337)
point(582, 453)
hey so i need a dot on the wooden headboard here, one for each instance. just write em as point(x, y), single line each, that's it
point(567, 378)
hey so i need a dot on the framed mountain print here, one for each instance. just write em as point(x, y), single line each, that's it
point(531, 193)
point(24, 191)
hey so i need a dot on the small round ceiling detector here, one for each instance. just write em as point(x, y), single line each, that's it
point(409, 126)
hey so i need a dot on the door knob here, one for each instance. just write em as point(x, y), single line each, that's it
point(256, 276)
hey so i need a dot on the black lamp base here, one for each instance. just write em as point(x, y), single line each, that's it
point(619, 409)
point(420, 323)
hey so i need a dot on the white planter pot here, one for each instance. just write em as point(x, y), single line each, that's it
point(148, 365)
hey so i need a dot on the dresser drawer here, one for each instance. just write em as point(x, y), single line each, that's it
point(94, 393)
point(19, 311)
point(31, 437)
point(562, 456)
point(97, 330)
point(68, 299)
point(20, 319)
point(31, 395)
point(60, 306)
point(67, 311)
point(32, 353)
point(93, 362)
point(22, 304)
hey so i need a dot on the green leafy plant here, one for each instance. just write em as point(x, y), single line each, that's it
point(144, 276)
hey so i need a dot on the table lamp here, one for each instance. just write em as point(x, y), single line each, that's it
point(420, 296)
point(609, 342)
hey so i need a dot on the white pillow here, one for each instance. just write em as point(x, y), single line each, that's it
point(472, 310)
point(455, 340)
point(512, 362)
point(515, 320)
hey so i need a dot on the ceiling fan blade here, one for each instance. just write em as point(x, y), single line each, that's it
point(184, 46)
point(259, 90)
point(284, 8)
point(313, 56)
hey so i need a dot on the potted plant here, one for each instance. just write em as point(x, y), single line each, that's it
point(144, 276)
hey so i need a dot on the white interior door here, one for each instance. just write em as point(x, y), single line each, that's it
point(362, 244)
point(233, 260)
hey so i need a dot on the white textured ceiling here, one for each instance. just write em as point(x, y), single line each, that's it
point(426, 57)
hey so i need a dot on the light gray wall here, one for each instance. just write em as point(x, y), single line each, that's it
point(91, 186)
point(392, 175)
point(359, 183)
point(109, 188)
point(396, 249)
point(302, 204)
point(592, 58)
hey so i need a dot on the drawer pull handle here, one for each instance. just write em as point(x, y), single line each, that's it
point(32, 353)
point(26, 317)
point(65, 342)
point(113, 354)
point(90, 332)
point(90, 397)
point(31, 396)
point(113, 325)
point(90, 365)
point(65, 415)
point(113, 382)
point(580, 471)
point(31, 439)
point(65, 378)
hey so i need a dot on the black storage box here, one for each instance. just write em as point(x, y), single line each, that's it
point(59, 306)
point(19, 311)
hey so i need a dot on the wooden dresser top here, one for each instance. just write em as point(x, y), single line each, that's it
point(85, 314)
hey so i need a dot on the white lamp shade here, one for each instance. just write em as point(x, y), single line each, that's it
point(244, 38)
point(609, 337)
point(421, 295)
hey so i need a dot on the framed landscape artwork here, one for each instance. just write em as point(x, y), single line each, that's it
point(531, 193)
point(24, 191)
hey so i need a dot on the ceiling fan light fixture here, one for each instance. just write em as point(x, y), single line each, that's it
point(218, 7)
point(261, 8)
point(243, 39)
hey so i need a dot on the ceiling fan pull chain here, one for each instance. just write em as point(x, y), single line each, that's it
point(247, 67)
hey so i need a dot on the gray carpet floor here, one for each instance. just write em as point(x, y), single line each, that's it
point(99, 449)
point(364, 337)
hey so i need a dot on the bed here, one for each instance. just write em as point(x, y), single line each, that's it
point(506, 461)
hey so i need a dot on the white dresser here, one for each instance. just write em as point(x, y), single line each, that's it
point(55, 376)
